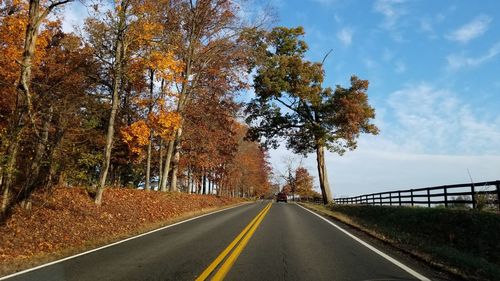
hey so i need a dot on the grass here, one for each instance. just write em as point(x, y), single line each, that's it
point(465, 242)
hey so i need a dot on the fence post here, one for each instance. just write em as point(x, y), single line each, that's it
point(498, 194)
point(399, 197)
point(428, 198)
point(445, 197)
point(473, 192)
point(411, 192)
point(390, 198)
point(380, 198)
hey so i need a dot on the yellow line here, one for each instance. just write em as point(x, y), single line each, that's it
point(226, 251)
point(226, 266)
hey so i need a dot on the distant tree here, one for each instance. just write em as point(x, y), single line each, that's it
point(291, 103)
point(303, 183)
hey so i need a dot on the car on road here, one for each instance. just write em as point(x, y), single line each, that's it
point(281, 196)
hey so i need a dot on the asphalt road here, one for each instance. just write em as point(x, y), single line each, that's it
point(289, 244)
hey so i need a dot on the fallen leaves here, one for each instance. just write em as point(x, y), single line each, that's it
point(68, 219)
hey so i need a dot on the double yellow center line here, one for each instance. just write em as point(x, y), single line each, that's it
point(242, 239)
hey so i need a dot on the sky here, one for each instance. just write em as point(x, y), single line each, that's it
point(434, 72)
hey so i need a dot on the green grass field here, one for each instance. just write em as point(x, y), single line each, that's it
point(466, 242)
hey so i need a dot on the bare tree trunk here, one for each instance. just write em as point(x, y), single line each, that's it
point(160, 164)
point(40, 151)
point(148, 160)
point(117, 71)
point(54, 146)
point(204, 183)
point(175, 162)
point(148, 163)
point(323, 177)
point(9, 174)
point(166, 169)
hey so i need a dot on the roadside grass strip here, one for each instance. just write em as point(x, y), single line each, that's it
point(377, 251)
point(238, 244)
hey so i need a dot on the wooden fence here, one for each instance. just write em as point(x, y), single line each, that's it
point(474, 195)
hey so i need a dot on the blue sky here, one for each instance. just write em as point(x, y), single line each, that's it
point(434, 72)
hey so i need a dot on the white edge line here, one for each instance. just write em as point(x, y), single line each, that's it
point(114, 243)
point(384, 255)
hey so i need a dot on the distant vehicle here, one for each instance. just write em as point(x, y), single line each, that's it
point(154, 185)
point(281, 196)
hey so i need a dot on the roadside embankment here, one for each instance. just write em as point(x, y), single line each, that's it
point(463, 242)
point(66, 221)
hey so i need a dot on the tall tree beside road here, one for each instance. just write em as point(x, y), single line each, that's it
point(23, 111)
point(214, 60)
point(291, 103)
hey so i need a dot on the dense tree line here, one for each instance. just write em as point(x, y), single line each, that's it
point(145, 93)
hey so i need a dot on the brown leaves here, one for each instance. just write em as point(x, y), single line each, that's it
point(68, 219)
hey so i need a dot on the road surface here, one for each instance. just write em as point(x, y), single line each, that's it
point(274, 241)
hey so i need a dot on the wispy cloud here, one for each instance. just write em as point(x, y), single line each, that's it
point(471, 30)
point(345, 36)
point(458, 61)
point(436, 121)
point(392, 10)
point(429, 136)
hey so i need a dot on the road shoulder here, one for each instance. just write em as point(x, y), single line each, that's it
point(407, 257)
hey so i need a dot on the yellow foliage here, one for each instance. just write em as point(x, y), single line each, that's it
point(165, 65)
point(136, 136)
point(165, 123)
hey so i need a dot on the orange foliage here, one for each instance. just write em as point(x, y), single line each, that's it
point(165, 123)
point(165, 65)
point(136, 136)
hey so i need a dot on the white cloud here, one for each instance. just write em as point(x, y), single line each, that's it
point(457, 61)
point(432, 120)
point(428, 137)
point(471, 30)
point(380, 165)
point(345, 36)
point(427, 25)
point(392, 10)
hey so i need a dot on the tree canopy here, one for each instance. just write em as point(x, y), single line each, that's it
point(291, 103)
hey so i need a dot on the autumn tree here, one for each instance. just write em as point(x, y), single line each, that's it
point(33, 16)
point(206, 44)
point(127, 41)
point(291, 103)
point(303, 183)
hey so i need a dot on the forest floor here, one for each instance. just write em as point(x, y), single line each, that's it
point(66, 221)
